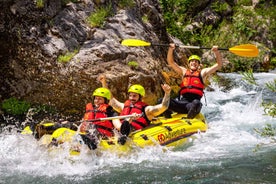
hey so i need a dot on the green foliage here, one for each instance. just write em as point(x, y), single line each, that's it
point(243, 26)
point(267, 131)
point(271, 86)
point(273, 61)
point(39, 3)
point(241, 64)
point(98, 18)
point(248, 76)
point(219, 7)
point(145, 19)
point(175, 16)
point(267, 10)
point(245, 22)
point(133, 64)
point(67, 56)
point(269, 108)
point(244, 2)
point(202, 38)
point(126, 4)
point(13, 106)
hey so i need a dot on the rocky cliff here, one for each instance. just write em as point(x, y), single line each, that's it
point(35, 34)
point(32, 38)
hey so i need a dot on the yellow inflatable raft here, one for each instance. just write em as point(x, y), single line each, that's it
point(165, 132)
point(162, 131)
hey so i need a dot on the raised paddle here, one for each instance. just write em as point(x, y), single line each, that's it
point(245, 50)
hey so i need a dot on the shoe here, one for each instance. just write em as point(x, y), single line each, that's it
point(125, 128)
point(90, 141)
point(195, 108)
point(122, 140)
point(168, 114)
point(191, 114)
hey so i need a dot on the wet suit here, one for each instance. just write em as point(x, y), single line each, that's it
point(187, 103)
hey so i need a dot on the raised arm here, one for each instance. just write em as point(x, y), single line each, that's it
point(102, 79)
point(153, 111)
point(117, 106)
point(171, 62)
point(208, 71)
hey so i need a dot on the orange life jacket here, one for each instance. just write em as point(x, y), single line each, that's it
point(192, 82)
point(139, 108)
point(105, 128)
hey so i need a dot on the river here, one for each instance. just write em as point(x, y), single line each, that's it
point(229, 152)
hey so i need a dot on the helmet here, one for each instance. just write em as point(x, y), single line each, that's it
point(103, 92)
point(196, 57)
point(137, 88)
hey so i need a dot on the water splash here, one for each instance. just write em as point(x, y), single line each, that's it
point(232, 117)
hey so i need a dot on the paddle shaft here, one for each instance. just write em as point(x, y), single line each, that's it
point(114, 117)
point(245, 50)
point(186, 46)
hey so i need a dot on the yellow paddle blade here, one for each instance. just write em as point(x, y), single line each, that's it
point(27, 130)
point(63, 134)
point(245, 50)
point(135, 43)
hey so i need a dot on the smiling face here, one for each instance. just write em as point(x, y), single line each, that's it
point(194, 64)
point(133, 97)
point(98, 100)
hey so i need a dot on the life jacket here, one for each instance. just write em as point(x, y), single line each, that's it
point(105, 128)
point(192, 82)
point(139, 108)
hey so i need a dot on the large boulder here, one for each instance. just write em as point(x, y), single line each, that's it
point(32, 38)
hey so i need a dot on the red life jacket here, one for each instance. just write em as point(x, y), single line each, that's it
point(192, 82)
point(105, 128)
point(139, 108)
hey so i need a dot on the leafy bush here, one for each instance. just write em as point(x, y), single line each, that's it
point(248, 76)
point(176, 15)
point(133, 64)
point(271, 86)
point(98, 18)
point(269, 108)
point(267, 131)
point(67, 56)
point(273, 61)
point(40, 3)
point(15, 107)
point(219, 7)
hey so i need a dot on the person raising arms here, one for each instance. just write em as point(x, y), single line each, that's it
point(135, 105)
point(192, 85)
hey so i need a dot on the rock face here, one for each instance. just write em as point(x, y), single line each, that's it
point(32, 38)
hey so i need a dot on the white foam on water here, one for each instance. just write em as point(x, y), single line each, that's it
point(232, 117)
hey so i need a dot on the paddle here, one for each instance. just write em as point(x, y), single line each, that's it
point(59, 132)
point(115, 117)
point(245, 50)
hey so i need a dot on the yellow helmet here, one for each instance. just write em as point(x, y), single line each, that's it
point(137, 88)
point(103, 92)
point(196, 57)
